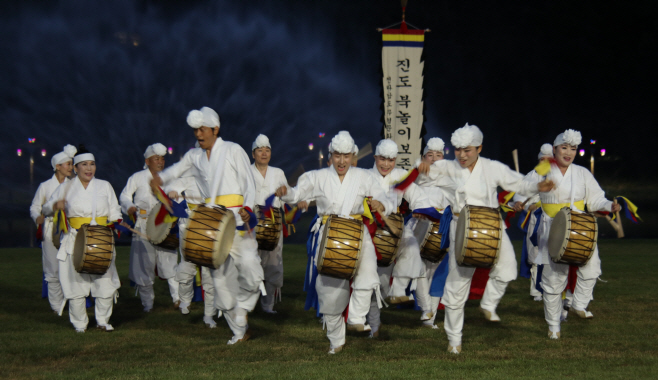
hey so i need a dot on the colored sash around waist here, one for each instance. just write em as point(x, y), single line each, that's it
point(77, 222)
point(551, 209)
point(192, 206)
point(229, 200)
point(325, 217)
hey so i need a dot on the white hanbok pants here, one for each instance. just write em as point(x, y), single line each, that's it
point(458, 285)
point(51, 267)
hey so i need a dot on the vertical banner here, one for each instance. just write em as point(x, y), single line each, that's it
point(403, 92)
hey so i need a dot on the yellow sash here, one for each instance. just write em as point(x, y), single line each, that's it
point(357, 217)
point(192, 206)
point(551, 209)
point(79, 221)
point(229, 200)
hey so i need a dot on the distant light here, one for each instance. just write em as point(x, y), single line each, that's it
point(321, 134)
point(447, 150)
point(320, 155)
point(592, 142)
point(310, 146)
point(43, 152)
point(19, 152)
point(170, 150)
point(135, 43)
point(602, 152)
point(581, 152)
point(31, 140)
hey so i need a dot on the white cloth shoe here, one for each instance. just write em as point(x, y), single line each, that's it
point(426, 316)
point(584, 314)
point(185, 310)
point(358, 327)
point(455, 350)
point(209, 321)
point(81, 331)
point(490, 315)
point(107, 328)
point(553, 335)
point(430, 326)
point(538, 298)
point(235, 339)
point(335, 350)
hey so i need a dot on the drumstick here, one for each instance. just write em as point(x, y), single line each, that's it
point(390, 225)
point(124, 224)
point(515, 155)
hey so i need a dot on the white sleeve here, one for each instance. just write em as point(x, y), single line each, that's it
point(47, 209)
point(437, 169)
point(37, 202)
point(303, 190)
point(416, 197)
point(126, 196)
point(594, 194)
point(115, 210)
point(510, 180)
point(176, 170)
point(380, 194)
point(246, 177)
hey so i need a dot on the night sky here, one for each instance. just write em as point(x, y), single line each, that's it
point(120, 75)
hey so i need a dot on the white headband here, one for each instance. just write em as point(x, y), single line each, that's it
point(64, 156)
point(546, 151)
point(387, 148)
point(83, 157)
point(205, 117)
point(342, 143)
point(156, 149)
point(468, 135)
point(570, 137)
point(260, 142)
point(434, 144)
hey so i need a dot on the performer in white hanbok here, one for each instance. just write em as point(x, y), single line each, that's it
point(439, 199)
point(85, 200)
point(186, 188)
point(63, 166)
point(341, 190)
point(408, 266)
point(138, 200)
point(530, 205)
point(474, 180)
point(576, 188)
point(268, 179)
point(224, 178)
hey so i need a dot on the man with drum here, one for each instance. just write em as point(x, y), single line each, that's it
point(224, 178)
point(267, 180)
point(520, 203)
point(63, 166)
point(439, 199)
point(406, 266)
point(339, 192)
point(575, 189)
point(186, 188)
point(89, 204)
point(138, 201)
point(475, 180)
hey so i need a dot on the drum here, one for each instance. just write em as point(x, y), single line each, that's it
point(572, 238)
point(268, 232)
point(387, 242)
point(478, 236)
point(429, 239)
point(340, 250)
point(161, 235)
point(94, 246)
point(208, 238)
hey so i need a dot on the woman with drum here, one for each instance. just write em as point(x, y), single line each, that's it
point(475, 180)
point(223, 173)
point(575, 189)
point(397, 245)
point(269, 233)
point(343, 249)
point(138, 201)
point(89, 204)
point(63, 166)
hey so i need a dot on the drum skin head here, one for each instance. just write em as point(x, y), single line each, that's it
point(224, 241)
point(422, 229)
point(478, 237)
point(323, 248)
point(79, 253)
point(157, 234)
point(557, 236)
point(460, 236)
point(208, 237)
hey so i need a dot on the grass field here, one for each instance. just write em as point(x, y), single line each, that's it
point(620, 342)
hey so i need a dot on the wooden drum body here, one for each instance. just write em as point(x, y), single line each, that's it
point(429, 239)
point(161, 235)
point(572, 238)
point(478, 236)
point(268, 232)
point(388, 243)
point(208, 238)
point(94, 246)
point(340, 251)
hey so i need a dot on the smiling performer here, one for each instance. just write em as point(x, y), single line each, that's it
point(408, 266)
point(62, 166)
point(85, 200)
point(137, 200)
point(575, 188)
point(341, 190)
point(268, 179)
point(224, 178)
point(186, 188)
point(474, 180)
point(438, 199)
